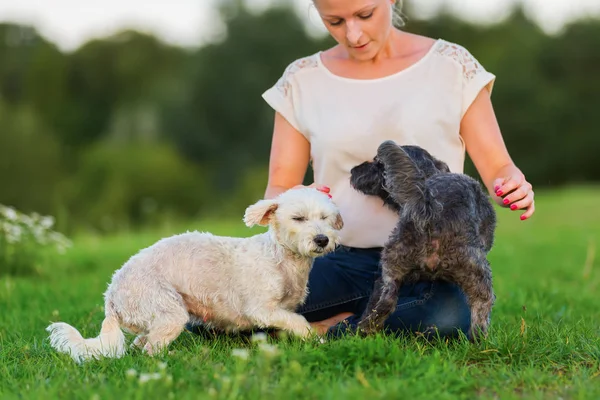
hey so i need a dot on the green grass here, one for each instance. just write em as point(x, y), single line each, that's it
point(544, 342)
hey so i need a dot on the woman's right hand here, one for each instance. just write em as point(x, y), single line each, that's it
point(320, 188)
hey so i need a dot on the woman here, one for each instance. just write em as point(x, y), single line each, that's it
point(334, 108)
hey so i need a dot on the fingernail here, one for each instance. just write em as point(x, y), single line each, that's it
point(498, 193)
point(330, 196)
point(513, 207)
point(506, 201)
point(523, 218)
point(496, 188)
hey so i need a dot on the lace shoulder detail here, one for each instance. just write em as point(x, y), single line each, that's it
point(283, 84)
point(470, 66)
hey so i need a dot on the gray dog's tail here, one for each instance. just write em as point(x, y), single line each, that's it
point(405, 183)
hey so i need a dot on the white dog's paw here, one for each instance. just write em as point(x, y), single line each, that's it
point(303, 330)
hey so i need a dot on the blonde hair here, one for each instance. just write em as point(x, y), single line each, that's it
point(397, 18)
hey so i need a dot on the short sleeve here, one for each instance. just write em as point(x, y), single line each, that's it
point(283, 96)
point(474, 76)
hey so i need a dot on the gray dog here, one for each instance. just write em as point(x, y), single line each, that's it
point(445, 230)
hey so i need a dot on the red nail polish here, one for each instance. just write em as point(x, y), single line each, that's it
point(523, 218)
point(506, 201)
point(496, 188)
point(513, 207)
point(499, 193)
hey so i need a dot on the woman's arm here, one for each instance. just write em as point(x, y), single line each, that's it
point(290, 154)
point(485, 145)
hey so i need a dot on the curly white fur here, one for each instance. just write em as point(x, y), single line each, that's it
point(229, 283)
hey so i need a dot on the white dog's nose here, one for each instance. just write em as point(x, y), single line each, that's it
point(321, 240)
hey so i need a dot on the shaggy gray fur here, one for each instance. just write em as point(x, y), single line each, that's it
point(445, 230)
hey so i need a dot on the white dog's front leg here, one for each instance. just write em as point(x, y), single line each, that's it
point(286, 320)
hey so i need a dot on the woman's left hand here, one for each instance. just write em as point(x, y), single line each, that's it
point(515, 192)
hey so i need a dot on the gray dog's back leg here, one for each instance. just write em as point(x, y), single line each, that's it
point(475, 278)
point(384, 298)
point(373, 300)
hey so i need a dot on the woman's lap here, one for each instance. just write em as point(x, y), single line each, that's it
point(343, 282)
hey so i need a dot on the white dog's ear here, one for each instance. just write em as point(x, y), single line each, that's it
point(260, 212)
point(339, 222)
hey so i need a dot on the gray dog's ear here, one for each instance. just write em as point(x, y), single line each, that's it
point(339, 222)
point(260, 212)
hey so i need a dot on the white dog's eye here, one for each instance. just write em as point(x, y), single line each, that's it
point(299, 219)
point(323, 217)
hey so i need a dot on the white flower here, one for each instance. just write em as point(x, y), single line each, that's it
point(131, 373)
point(26, 233)
point(9, 213)
point(27, 220)
point(14, 234)
point(240, 353)
point(259, 337)
point(268, 349)
point(39, 235)
point(47, 222)
point(149, 377)
point(60, 241)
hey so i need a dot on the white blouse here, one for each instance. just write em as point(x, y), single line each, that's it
point(346, 119)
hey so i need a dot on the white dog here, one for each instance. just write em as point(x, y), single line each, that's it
point(235, 283)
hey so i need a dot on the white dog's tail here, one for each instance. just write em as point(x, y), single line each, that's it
point(109, 343)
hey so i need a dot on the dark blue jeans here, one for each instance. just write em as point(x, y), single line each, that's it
point(342, 281)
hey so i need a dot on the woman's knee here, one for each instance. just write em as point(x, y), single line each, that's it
point(443, 312)
point(452, 312)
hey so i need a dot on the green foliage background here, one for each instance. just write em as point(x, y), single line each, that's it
point(127, 130)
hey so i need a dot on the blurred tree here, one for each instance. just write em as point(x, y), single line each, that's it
point(31, 171)
point(570, 65)
point(220, 120)
point(128, 69)
point(32, 72)
point(127, 124)
point(128, 185)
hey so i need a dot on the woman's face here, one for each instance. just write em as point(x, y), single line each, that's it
point(361, 26)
